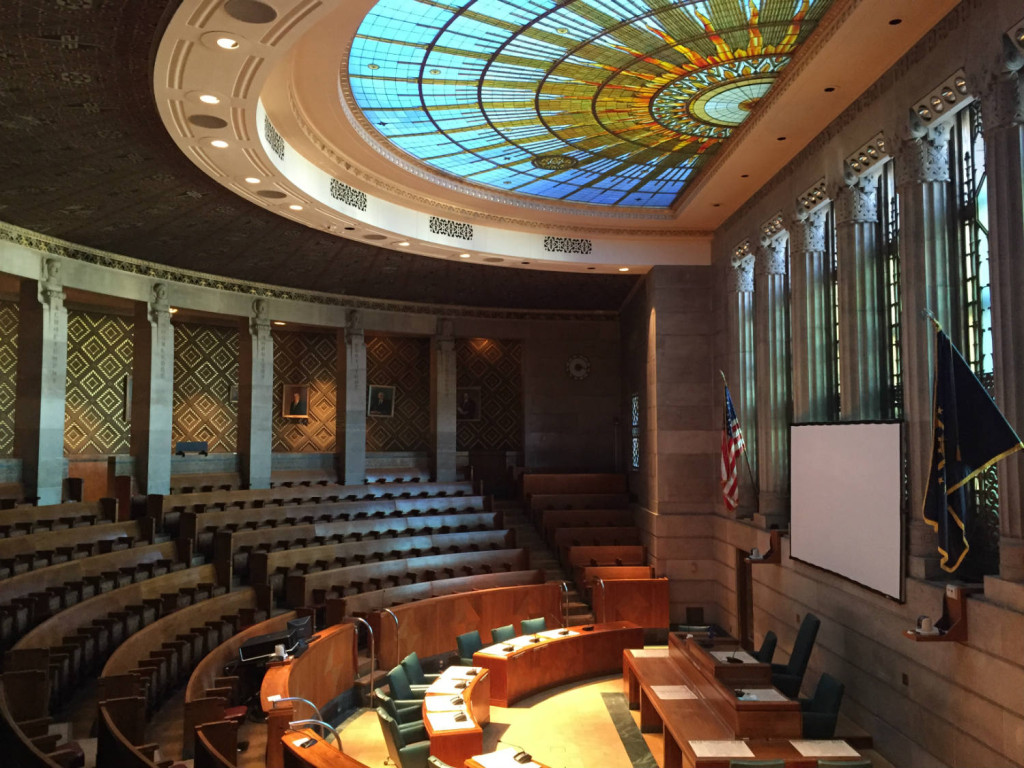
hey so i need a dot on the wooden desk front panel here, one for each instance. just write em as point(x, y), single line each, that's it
point(561, 660)
point(455, 747)
point(430, 627)
point(319, 755)
point(641, 601)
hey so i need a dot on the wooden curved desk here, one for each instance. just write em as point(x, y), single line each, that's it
point(455, 742)
point(556, 659)
point(305, 749)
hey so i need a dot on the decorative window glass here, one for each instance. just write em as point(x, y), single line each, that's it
point(889, 246)
point(832, 259)
point(634, 407)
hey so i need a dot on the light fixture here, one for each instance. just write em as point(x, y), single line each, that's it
point(463, 255)
point(403, 243)
point(219, 143)
point(251, 180)
point(209, 98)
point(895, 22)
point(173, 310)
point(280, 322)
point(623, 269)
point(937, 104)
point(227, 43)
point(924, 112)
point(961, 84)
point(295, 207)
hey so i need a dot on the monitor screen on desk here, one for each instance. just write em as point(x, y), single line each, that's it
point(300, 629)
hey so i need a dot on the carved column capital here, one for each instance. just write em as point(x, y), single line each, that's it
point(807, 231)
point(259, 321)
point(923, 159)
point(159, 305)
point(1002, 102)
point(743, 274)
point(444, 338)
point(857, 201)
point(353, 326)
point(51, 287)
point(772, 257)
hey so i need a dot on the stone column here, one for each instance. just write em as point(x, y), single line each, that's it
point(922, 173)
point(442, 402)
point(740, 368)
point(773, 399)
point(1003, 118)
point(256, 397)
point(351, 407)
point(152, 393)
point(41, 384)
point(861, 318)
point(810, 301)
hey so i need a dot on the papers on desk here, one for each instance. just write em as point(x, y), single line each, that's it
point(732, 748)
point(516, 643)
point(760, 694)
point(554, 634)
point(503, 758)
point(649, 653)
point(739, 656)
point(451, 686)
point(462, 673)
point(673, 692)
point(445, 721)
point(824, 748)
point(442, 704)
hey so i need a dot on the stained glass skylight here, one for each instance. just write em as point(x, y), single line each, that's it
point(609, 102)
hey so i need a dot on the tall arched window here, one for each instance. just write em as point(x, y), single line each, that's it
point(889, 247)
point(832, 260)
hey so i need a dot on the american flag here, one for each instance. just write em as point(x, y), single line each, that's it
point(732, 447)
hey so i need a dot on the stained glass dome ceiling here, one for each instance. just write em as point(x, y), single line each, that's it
point(606, 102)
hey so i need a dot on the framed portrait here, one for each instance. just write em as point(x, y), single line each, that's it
point(295, 401)
point(467, 404)
point(380, 400)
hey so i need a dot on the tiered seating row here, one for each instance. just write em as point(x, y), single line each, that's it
point(22, 520)
point(19, 554)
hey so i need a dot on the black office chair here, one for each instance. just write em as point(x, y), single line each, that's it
point(468, 643)
point(502, 634)
point(789, 677)
point(533, 626)
point(821, 711)
point(404, 754)
point(766, 652)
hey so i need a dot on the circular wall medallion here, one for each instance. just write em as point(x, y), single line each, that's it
point(578, 367)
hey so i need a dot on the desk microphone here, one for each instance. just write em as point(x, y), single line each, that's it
point(460, 686)
point(563, 632)
point(457, 700)
point(508, 648)
point(461, 717)
point(522, 756)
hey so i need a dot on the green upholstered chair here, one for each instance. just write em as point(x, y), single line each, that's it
point(468, 643)
point(404, 754)
point(789, 677)
point(400, 686)
point(533, 626)
point(821, 710)
point(757, 764)
point(408, 717)
point(766, 652)
point(864, 763)
point(501, 634)
point(414, 670)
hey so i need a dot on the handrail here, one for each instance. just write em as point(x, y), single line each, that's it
point(273, 704)
point(328, 726)
point(373, 655)
point(564, 586)
point(398, 629)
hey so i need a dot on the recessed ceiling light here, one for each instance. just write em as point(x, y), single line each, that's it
point(591, 267)
point(373, 66)
point(209, 98)
point(716, 205)
point(218, 143)
point(623, 269)
point(173, 310)
point(524, 262)
point(781, 138)
point(744, 175)
point(349, 229)
point(227, 43)
point(403, 243)
point(280, 322)
point(295, 207)
point(251, 180)
point(830, 88)
point(895, 22)
point(464, 255)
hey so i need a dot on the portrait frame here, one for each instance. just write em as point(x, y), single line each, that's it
point(292, 408)
point(380, 400)
point(467, 403)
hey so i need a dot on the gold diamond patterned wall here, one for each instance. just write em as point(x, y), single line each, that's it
point(403, 363)
point(495, 366)
point(311, 359)
point(8, 372)
point(99, 360)
point(205, 368)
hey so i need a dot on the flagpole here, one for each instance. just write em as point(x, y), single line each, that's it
point(746, 460)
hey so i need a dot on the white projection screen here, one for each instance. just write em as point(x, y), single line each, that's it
point(846, 493)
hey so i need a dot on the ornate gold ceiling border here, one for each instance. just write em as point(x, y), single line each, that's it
point(56, 247)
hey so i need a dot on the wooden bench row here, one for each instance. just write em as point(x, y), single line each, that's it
point(591, 536)
point(25, 738)
point(39, 550)
point(73, 643)
point(235, 546)
point(201, 526)
point(572, 482)
point(29, 598)
point(538, 502)
point(272, 568)
point(354, 579)
point(550, 520)
point(19, 521)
